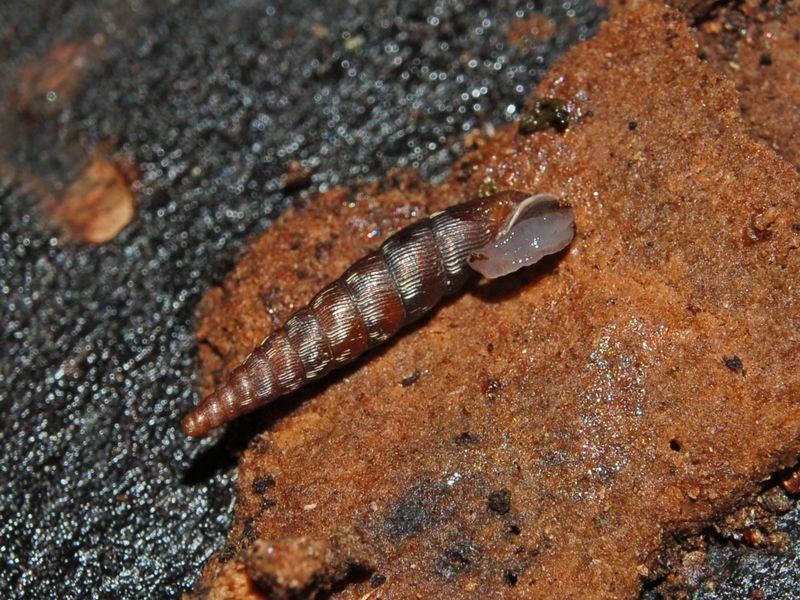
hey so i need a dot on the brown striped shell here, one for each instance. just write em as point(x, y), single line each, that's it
point(385, 291)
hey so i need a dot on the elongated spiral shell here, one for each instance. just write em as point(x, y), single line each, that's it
point(378, 295)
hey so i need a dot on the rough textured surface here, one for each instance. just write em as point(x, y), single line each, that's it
point(757, 46)
point(100, 493)
point(613, 398)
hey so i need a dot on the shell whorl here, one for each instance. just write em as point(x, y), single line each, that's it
point(378, 295)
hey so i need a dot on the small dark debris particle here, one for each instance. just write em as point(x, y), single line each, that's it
point(547, 112)
point(734, 363)
point(461, 556)
point(675, 445)
point(510, 577)
point(765, 60)
point(514, 529)
point(632, 125)
point(465, 439)
point(796, 227)
point(411, 379)
point(702, 55)
point(261, 446)
point(464, 171)
point(499, 502)
point(490, 345)
point(377, 580)
point(262, 484)
point(249, 531)
point(227, 553)
point(268, 503)
point(455, 560)
point(321, 249)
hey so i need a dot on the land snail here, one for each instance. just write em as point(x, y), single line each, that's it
point(388, 289)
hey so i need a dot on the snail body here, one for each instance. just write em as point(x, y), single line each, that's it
point(386, 290)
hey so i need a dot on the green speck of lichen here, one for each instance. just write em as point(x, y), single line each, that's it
point(547, 112)
point(487, 189)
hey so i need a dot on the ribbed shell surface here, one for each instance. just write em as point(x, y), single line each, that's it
point(378, 295)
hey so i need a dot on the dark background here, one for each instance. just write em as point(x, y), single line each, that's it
point(101, 495)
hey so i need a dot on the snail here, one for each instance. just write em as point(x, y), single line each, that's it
point(385, 291)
